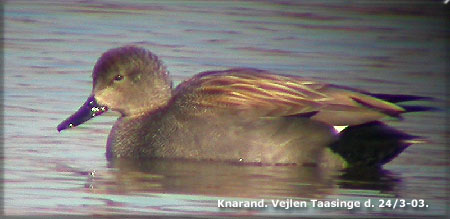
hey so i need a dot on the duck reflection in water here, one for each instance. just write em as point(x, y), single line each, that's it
point(239, 115)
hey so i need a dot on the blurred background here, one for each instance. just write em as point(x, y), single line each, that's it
point(50, 48)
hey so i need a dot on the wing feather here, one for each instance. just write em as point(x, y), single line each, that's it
point(276, 95)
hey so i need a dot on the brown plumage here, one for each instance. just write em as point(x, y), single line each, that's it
point(268, 94)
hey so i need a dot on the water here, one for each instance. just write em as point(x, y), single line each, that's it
point(50, 48)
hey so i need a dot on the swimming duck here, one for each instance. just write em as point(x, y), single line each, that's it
point(241, 114)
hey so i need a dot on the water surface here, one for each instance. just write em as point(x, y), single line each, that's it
point(50, 48)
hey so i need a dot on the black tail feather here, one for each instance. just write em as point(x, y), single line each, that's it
point(410, 109)
point(396, 98)
point(371, 144)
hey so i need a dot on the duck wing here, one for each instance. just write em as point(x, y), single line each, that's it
point(261, 93)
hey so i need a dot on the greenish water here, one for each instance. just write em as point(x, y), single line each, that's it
point(50, 48)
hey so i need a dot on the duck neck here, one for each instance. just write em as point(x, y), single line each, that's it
point(157, 98)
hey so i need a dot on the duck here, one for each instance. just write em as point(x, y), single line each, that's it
point(242, 115)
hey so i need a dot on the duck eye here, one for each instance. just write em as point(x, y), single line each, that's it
point(118, 78)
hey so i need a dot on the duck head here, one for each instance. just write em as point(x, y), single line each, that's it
point(129, 80)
